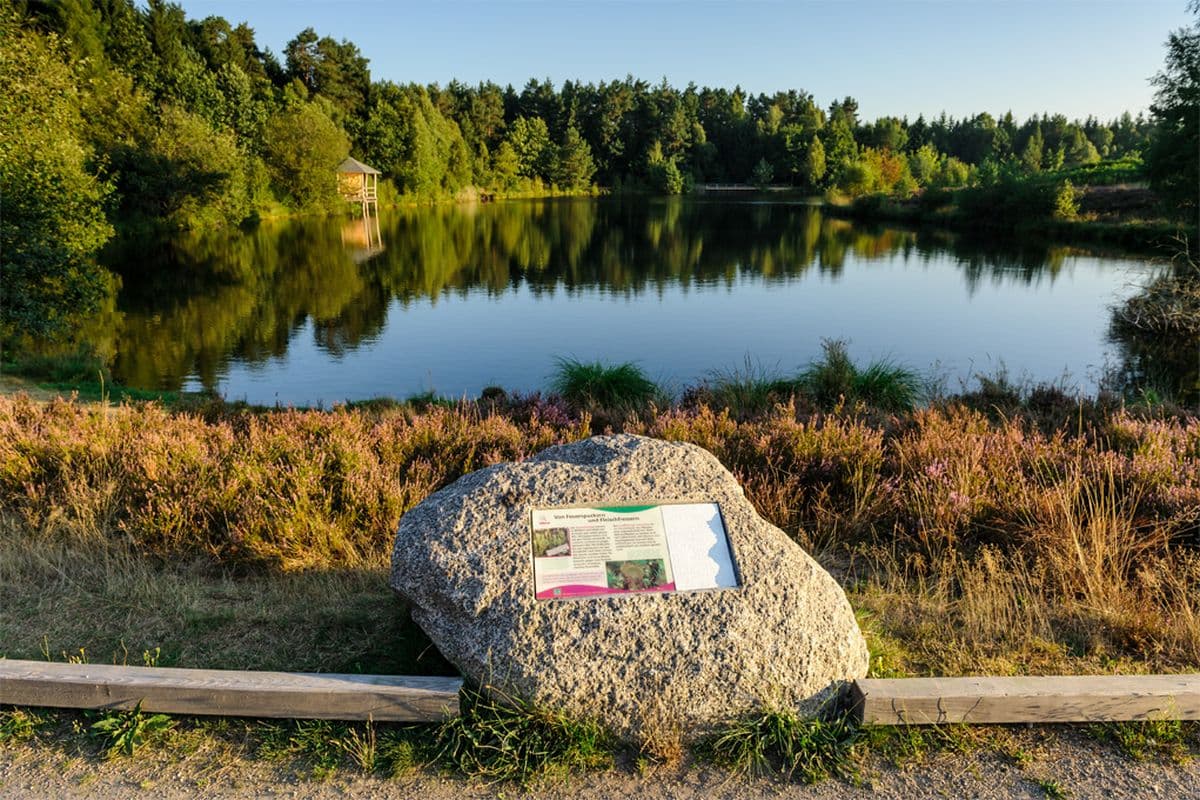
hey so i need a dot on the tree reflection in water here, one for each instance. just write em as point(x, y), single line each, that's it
point(196, 303)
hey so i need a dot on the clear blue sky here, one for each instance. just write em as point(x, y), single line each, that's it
point(903, 57)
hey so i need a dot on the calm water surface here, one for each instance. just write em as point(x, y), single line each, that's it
point(454, 299)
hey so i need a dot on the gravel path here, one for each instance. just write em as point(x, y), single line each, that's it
point(1063, 761)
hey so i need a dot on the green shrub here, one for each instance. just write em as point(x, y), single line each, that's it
point(1066, 201)
point(665, 177)
point(1008, 199)
point(53, 221)
point(934, 198)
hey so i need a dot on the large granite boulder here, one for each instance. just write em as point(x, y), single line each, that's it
point(684, 661)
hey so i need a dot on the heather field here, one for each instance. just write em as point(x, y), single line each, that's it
point(995, 532)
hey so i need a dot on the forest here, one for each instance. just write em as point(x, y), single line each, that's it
point(124, 118)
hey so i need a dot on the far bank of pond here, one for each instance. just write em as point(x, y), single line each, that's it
point(459, 297)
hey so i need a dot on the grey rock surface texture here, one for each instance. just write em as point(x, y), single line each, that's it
point(646, 664)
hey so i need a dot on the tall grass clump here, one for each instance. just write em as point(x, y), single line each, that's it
point(751, 390)
point(834, 378)
point(595, 386)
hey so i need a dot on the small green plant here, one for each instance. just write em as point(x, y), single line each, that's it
point(888, 386)
point(1053, 789)
point(123, 732)
point(619, 387)
point(500, 738)
point(363, 748)
point(900, 744)
point(18, 725)
point(1013, 749)
point(887, 656)
point(778, 741)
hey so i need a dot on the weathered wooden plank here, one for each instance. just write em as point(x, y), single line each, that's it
point(1085, 698)
point(401, 698)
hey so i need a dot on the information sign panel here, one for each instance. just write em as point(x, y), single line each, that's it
point(592, 551)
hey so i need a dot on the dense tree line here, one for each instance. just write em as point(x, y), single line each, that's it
point(193, 122)
point(150, 116)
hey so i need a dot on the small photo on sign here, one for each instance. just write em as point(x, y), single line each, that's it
point(636, 576)
point(551, 543)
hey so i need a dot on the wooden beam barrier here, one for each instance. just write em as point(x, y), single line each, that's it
point(236, 693)
point(1084, 698)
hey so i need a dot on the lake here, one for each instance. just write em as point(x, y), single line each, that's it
point(451, 299)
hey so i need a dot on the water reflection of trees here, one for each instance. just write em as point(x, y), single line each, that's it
point(195, 303)
point(1157, 336)
point(192, 305)
point(1169, 368)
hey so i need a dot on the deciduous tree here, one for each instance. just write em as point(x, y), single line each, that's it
point(53, 215)
point(1172, 160)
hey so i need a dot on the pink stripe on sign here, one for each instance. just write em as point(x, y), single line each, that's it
point(583, 590)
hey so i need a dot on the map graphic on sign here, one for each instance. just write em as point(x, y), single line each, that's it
point(593, 551)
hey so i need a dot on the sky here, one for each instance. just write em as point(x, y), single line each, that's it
point(901, 58)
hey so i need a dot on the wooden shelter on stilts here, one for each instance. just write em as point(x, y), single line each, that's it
point(359, 183)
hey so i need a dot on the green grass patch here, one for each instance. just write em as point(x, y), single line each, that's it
point(78, 367)
point(315, 744)
point(903, 745)
point(81, 373)
point(322, 748)
point(779, 742)
point(503, 739)
point(1163, 740)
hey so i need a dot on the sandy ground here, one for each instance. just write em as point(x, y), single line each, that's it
point(1066, 761)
